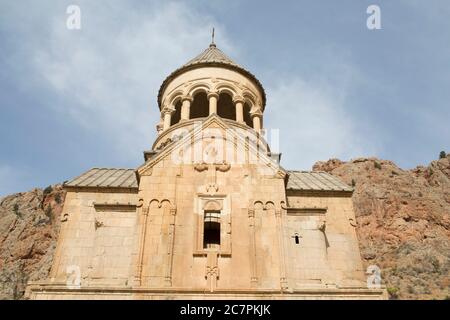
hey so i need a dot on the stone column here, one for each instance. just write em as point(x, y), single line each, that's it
point(280, 235)
point(252, 249)
point(213, 96)
point(141, 234)
point(170, 247)
point(185, 107)
point(167, 112)
point(257, 120)
point(239, 102)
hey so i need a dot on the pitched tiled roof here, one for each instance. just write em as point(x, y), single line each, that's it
point(212, 56)
point(105, 178)
point(315, 181)
point(126, 178)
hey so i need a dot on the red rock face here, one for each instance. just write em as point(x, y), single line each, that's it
point(29, 225)
point(403, 222)
point(403, 227)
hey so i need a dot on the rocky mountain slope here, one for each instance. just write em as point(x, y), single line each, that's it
point(29, 225)
point(403, 225)
point(403, 221)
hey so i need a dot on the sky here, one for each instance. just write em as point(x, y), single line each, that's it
point(71, 100)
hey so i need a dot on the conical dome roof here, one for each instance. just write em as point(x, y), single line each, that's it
point(212, 56)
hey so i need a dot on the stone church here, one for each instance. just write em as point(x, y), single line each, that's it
point(210, 214)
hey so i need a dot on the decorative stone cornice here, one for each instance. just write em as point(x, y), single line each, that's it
point(105, 206)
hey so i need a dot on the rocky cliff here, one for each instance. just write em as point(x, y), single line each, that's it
point(403, 219)
point(402, 215)
point(29, 225)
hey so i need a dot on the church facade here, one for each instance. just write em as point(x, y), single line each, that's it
point(210, 214)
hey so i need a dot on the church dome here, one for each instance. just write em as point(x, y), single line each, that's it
point(211, 57)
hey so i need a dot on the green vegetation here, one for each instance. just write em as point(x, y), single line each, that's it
point(49, 212)
point(442, 155)
point(48, 190)
point(393, 292)
point(58, 198)
point(16, 210)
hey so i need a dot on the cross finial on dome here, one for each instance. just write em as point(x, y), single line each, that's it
point(212, 39)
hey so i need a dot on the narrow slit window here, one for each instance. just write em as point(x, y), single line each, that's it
point(211, 229)
point(296, 238)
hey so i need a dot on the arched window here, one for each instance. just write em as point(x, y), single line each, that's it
point(200, 106)
point(176, 116)
point(211, 229)
point(225, 107)
point(247, 118)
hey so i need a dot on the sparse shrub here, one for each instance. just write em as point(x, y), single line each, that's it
point(353, 183)
point(49, 212)
point(16, 210)
point(48, 190)
point(442, 155)
point(393, 292)
point(58, 198)
point(377, 165)
point(435, 263)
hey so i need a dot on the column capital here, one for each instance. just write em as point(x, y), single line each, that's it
point(256, 113)
point(238, 98)
point(212, 94)
point(187, 98)
point(167, 110)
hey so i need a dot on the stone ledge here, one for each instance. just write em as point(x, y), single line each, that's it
point(54, 291)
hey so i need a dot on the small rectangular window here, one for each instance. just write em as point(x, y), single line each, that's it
point(211, 229)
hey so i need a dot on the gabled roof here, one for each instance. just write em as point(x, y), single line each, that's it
point(105, 178)
point(197, 132)
point(214, 57)
point(315, 181)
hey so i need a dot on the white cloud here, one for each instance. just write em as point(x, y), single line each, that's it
point(314, 123)
point(110, 71)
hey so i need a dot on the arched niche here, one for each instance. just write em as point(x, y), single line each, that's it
point(200, 106)
point(247, 118)
point(176, 116)
point(225, 106)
